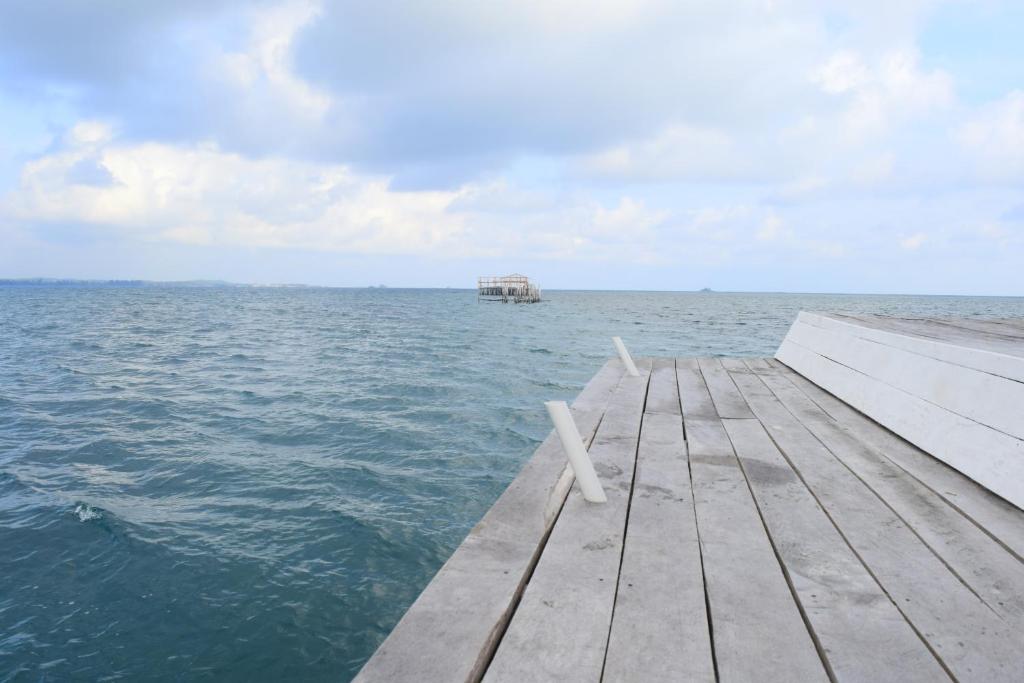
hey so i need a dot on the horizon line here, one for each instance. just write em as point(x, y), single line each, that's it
point(214, 283)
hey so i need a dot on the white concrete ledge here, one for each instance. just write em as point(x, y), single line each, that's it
point(963, 405)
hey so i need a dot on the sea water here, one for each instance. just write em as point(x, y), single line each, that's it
point(255, 483)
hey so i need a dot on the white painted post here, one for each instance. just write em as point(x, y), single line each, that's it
point(572, 443)
point(627, 360)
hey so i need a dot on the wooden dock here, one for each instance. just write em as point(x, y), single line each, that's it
point(757, 528)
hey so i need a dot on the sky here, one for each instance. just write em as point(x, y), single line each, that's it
point(819, 146)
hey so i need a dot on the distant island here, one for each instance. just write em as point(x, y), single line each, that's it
point(707, 289)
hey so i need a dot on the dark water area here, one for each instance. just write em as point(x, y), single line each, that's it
point(253, 484)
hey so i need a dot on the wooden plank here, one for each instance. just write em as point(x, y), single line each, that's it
point(450, 632)
point(662, 394)
point(963, 349)
point(693, 391)
point(702, 427)
point(995, 575)
point(1003, 521)
point(659, 626)
point(728, 401)
point(979, 396)
point(1014, 323)
point(560, 629)
point(990, 328)
point(978, 331)
point(971, 640)
point(707, 437)
point(990, 457)
point(757, 631)
point(838, 595)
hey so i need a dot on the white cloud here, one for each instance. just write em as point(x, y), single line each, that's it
point(994, 136)
point(743, 230)
point(844, 71)
point(202, 195)
point(267, 60)
point(772, 229)
point(629, 218)
point(677, 152)
point(89, 133)
point(874, 169)
point(802, 187)
point(914, 242)
point(882, 93)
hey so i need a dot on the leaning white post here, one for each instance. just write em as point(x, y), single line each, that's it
point(627, 360)
point(572, 443)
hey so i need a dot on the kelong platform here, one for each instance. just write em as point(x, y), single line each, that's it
point(846, 511)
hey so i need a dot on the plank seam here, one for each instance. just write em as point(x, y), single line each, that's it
point(856, 554)
point(696, 524)
point(625, 528)
point(679, 399)
point(882, 454)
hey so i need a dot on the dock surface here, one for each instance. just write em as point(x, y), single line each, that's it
point(757, 529)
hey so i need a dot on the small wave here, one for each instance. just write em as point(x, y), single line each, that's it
point(100, 475)
point(86, 513)
point(546, 351)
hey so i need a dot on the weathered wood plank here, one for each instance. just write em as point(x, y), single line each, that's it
point(1001, 359)
point(693, 392)
point(979, 396)
point(975, 331)
point(450, 632)
point(659, 627)
point(993, 329)
point(986, 566)
point(663, 394)
point(702, 427)
point(838, 595)
point(560, 628)
point(757, 631)
point(990, 457)
point(971, 640)
point(707, 437)
point(998, 518)
point(1013, 323)
point(727, 399)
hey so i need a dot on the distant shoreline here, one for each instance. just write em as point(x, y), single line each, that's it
point(222, 284)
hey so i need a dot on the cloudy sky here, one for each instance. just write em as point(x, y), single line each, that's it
point(861, 146)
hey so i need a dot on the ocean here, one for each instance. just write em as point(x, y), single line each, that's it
point(253, 484)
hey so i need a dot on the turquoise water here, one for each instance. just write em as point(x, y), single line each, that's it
point(253, 484)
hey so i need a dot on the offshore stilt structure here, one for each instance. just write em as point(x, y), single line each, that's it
point(514, 288)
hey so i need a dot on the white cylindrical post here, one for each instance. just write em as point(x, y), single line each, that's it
point(572, 443)
point(627, 360)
